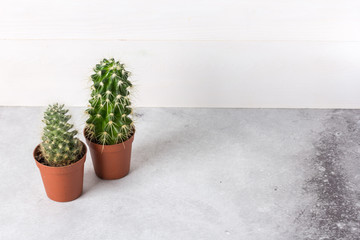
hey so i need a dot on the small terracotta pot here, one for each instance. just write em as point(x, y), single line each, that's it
point(111, 161)
point(62, 184)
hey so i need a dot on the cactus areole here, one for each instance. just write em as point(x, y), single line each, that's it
point(109, 112)
point(59, 146)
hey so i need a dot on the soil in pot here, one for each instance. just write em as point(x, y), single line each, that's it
point(62, 184)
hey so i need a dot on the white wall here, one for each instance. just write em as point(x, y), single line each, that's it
point(240, 53)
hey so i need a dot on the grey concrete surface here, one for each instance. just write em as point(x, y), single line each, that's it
point(249, 174)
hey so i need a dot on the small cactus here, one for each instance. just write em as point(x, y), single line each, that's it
point(59, 145)
point(109, 119)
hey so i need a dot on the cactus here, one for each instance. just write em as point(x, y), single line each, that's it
point(59, 145)
point(109, 112)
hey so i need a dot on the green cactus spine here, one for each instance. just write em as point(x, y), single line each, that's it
point(59, 145)
point(109, 119)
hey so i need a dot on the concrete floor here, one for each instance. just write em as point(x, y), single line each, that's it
point(197, 174)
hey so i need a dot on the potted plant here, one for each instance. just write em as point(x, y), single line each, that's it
point(109, 130)
point(60, 156)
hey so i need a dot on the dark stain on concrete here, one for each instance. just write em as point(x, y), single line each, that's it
point(138, 115)
point(335, 214)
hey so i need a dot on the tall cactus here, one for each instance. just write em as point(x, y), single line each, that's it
point(109, 119)
point(59, 145)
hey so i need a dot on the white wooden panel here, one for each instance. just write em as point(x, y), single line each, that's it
point(181, 20)
point(186, 73)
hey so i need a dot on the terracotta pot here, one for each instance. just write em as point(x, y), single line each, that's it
point(111, 161)
point(62, 184)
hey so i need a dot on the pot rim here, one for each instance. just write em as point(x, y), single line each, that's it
point(89, 142)
point(62, 167)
